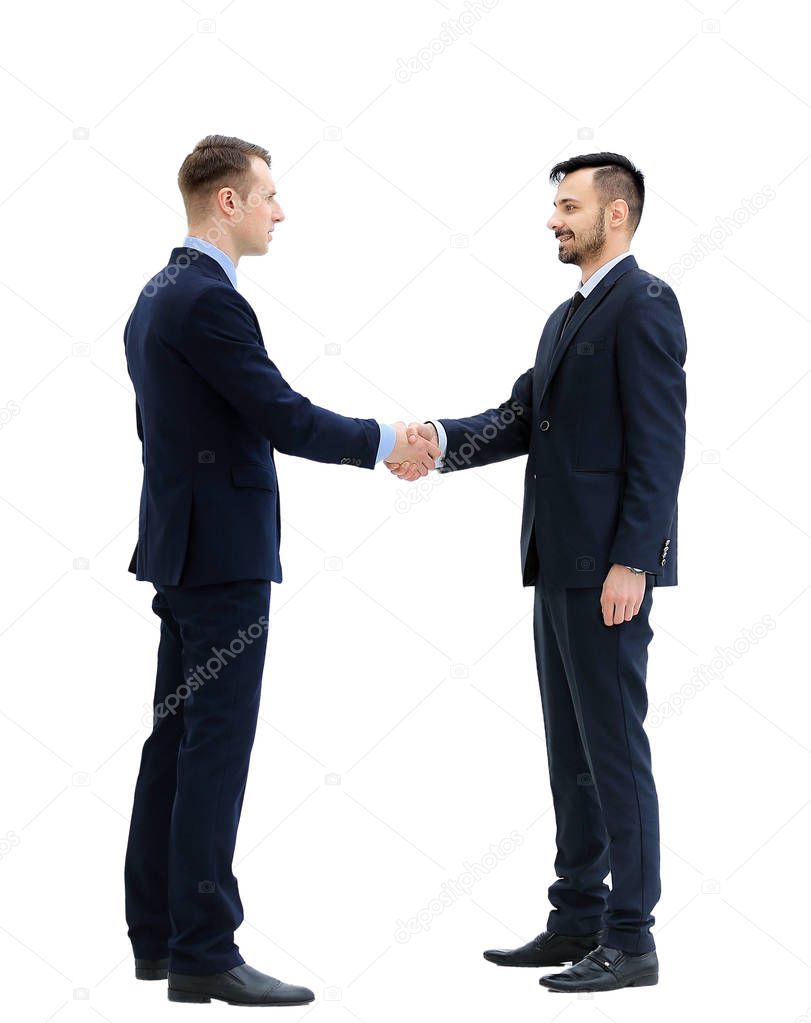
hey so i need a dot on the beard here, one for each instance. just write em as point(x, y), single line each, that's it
point(587, 246)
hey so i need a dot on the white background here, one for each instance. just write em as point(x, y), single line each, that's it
point(415, 240)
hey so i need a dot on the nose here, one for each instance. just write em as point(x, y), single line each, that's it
point(278, 214)
point(554, 222)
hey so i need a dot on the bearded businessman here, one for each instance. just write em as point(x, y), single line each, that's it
point(211, 409)
point(601, 416)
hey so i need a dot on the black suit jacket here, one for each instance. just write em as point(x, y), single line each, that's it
point(211, 407)
point(602, 418)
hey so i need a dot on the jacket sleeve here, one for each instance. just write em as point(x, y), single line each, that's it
point(220, 341)
point(651, 349)
point(494, 435)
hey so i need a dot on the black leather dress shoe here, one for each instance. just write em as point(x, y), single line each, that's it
point(241, 985)
point(606, 969)
point(151, 969)
point(548, 949)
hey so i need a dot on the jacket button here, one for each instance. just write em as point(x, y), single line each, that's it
point(544, 424)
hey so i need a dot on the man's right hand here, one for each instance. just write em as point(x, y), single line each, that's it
point(409, 463)
point(415, 452)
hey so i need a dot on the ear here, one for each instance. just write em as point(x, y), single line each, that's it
point(619, 213)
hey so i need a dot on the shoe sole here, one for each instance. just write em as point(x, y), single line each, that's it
point(537, 966)
point(199, 997)
point(531, 966)
point(643, 981)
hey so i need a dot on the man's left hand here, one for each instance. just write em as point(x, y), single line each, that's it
point(622, 595)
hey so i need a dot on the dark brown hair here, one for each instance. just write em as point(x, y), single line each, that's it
point(615, 177)
point(215, 161)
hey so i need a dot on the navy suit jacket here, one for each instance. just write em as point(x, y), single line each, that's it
point(211, 408)
point(602, 418)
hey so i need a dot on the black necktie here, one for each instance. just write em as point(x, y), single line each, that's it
point(577, 299)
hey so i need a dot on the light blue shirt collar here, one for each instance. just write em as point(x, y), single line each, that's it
point(225, 261)
point(587, 288)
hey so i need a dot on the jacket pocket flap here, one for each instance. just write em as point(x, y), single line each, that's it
point(253, 475)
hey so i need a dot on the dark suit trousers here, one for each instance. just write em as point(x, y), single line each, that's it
point(592, 679)
point(182, 899)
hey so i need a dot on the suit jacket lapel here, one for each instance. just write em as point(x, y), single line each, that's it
point(585, 310)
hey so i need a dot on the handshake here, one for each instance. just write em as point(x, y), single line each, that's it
point(416, 450)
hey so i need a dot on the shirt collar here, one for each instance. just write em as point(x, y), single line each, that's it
point(225, 261)
point(587, 288)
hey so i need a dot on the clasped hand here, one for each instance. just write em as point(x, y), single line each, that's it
point(415, 452)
